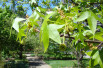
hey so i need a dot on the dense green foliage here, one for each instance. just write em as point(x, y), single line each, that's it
point(6, 17)
point(9, 46)
point(78, 20)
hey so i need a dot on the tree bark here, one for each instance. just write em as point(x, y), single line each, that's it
point(79, 57)
point(0, 54)
point(21, 52)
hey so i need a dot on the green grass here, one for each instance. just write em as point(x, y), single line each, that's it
point(60, 63)
point(64, 63)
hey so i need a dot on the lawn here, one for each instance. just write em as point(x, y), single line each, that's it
point(64, 63)
point(68, 63)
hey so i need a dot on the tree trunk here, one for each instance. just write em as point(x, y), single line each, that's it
point(21, 52)
point(1, 63)
point(79, 57)
point(79, 61)
point(0, 54)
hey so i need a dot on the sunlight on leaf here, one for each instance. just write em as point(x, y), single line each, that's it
point(92, 24)
point(53, 32)
point(32, 1)
point(34, 16)
point(20, 35)
point(99, 36)
point(16, 23)
point(84, 16)
point(87, 33)
point(44, 31)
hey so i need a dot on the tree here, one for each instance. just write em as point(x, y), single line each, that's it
point(6, 18)
point(76, 21)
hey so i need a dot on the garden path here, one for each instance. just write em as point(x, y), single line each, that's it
point(36, 62)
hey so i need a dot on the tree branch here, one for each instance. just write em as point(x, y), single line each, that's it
point(88, 3)
point(95, 3)
point(99, 45)
point(90, 41)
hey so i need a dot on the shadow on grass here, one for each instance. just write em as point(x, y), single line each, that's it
point(16, 64)
point(23, 64)
point(36, 63)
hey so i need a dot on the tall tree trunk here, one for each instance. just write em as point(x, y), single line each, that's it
point(79, 61)
point(1, 63)
point(21, 52)
point(79, 57)
point(0, 53)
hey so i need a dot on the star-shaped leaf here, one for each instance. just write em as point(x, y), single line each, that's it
point(16, 23)
point(53, 32)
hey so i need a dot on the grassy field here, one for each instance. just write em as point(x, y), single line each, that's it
point(64, 63)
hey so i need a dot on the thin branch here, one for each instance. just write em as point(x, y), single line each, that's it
point(99, 45)
point(66, 36)
point(88, 3)
point(95, 3)
point(90, 41)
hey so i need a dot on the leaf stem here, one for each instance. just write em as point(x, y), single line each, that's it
point(26, 33)
point(64, 32)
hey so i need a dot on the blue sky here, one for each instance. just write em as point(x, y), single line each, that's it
point(29, 11)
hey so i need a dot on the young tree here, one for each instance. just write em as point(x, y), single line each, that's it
point(76, 20)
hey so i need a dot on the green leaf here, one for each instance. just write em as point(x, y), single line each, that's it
point(92, 23)
point(79, 36)
point(101, 57)
point(20, 34)
point(16, 23)
point(87, 33)
point(99, 27)
point(34, 16)
point(92, 20)
point(97, 57)
point(89, 53)
point(80, 33)
point(91, 63)
point(79, 0)
point(76, 35)
point(38, 9)
point(83, 16)
point(41, 9)
point(99, 36)
point(53, 32)
point(44, 31)
point(33, 19)
point(32, 1)
point(97, 18)
point(45, 36)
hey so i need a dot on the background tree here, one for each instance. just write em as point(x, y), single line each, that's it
point(7, 14)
